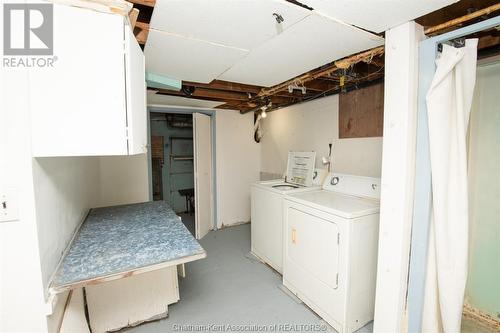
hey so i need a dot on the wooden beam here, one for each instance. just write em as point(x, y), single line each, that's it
point(132, 16)
point(148, 3)
point(141, 32)
point(488, 41)
point(309, 76)
point(226, 85)
point(320, 85)
point(219, 95)
point(462, 19)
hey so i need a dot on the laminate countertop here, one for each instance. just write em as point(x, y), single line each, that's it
point(120, 241)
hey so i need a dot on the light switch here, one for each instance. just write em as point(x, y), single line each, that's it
point(8, 205)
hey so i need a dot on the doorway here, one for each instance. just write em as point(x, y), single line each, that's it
point(182, 166)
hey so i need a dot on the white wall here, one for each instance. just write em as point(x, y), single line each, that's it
point(65, 190)
point(238, 163)
point(123, 180)
point(21, 290)
point(312, 126)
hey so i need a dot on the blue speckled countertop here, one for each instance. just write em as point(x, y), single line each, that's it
point(119, 239)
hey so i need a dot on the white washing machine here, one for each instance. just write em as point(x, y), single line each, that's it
point(267, 206)
point(330, 249)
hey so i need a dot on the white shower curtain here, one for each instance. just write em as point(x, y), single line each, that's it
point(448, 105)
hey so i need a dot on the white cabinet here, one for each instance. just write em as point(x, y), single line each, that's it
point(93, 100)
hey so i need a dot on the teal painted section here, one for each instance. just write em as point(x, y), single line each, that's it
point(163, 82)
point(177, 174)
point(483, 292)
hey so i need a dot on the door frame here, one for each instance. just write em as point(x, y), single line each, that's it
point(428, 50)
point(180, 110)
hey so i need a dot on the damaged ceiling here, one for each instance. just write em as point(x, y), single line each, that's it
point(246, 54)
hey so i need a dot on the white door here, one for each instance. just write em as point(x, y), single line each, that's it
point(202, 174)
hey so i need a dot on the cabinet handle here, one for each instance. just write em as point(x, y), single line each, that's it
point(294, 236)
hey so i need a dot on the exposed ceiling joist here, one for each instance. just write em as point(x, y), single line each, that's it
point(141, 31)
point(148, 3)
point(225, 85)
point(357, 70)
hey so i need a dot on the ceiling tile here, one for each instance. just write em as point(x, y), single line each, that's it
point(188, 59)
point(313, 42)
point(376, 15)
point(240, 23)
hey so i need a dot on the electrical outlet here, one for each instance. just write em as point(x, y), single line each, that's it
point(8, 206)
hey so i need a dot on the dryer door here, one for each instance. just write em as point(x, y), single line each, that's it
point(312, 245)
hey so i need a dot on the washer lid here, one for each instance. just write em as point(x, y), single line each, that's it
point(300, 167)
point(286, 187)
point(339, 204)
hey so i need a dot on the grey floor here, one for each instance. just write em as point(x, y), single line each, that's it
point(230, 287)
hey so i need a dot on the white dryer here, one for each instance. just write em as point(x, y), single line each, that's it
point(267, 206)
point(330, 249)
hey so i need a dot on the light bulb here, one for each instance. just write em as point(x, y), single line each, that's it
point(263, 114)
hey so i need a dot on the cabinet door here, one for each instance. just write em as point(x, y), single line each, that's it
point(78, 105)
point(136, 95)
point(312, 245)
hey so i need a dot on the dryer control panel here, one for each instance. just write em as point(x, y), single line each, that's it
point(367, 187)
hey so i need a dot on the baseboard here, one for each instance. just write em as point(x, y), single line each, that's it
point(233, 224)
point(480, 318)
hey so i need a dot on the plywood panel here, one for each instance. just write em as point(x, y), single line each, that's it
point(313, 42)
point(376, 15)
point(74, 320)
point(361, 112)
point(188, 59)
point(133, 300)
point(240, 23)
point(157, 146)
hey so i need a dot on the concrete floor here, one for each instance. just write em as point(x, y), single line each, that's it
point(469, 326)
point(231, 287)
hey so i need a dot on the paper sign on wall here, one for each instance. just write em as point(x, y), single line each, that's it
point(300, 167)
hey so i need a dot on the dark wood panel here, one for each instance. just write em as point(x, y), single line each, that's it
point(157, 159)
point(157, 146)
point(361, 112)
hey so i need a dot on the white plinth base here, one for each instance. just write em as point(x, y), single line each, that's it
point(133, 300)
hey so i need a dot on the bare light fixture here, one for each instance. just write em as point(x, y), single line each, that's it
point(292, 87)
point(263, 113)
point(264, 108)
